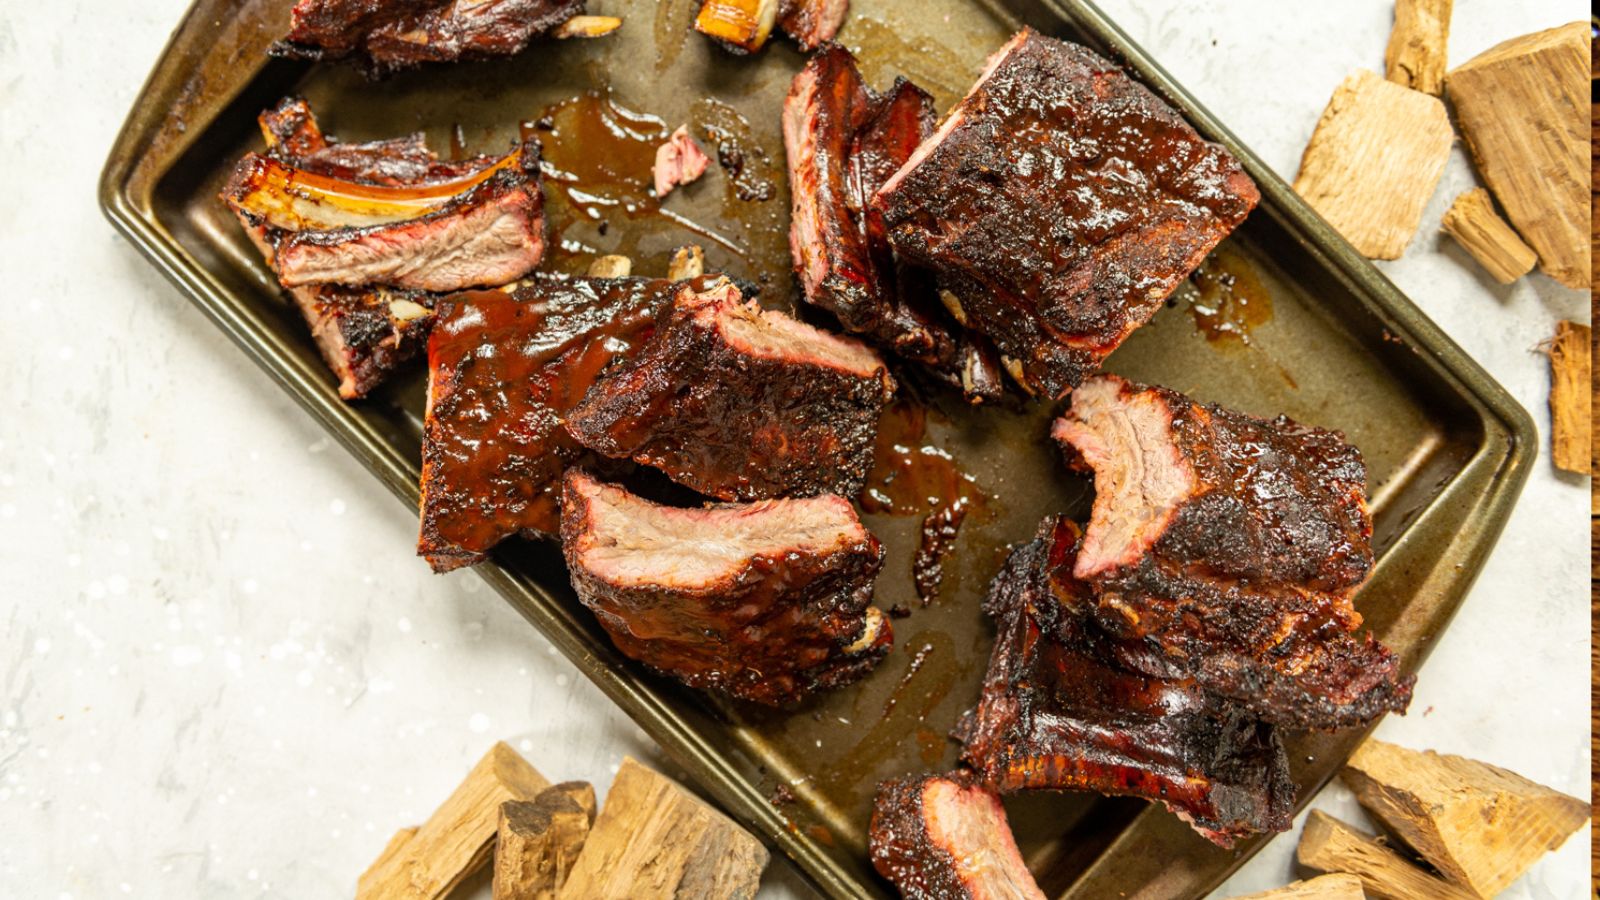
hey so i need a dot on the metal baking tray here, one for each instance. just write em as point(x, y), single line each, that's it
point(1448, 449)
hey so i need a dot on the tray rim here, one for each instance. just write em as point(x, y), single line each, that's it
point(1488, 483)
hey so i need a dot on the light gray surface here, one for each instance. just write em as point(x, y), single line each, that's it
point(223, 672)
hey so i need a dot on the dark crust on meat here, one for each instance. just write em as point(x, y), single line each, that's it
point(904, 850)
point(812, 23)
point(384, 36)
point(515, 191)
point(1253, 598)
point(294, 137)
point(899, 845)
point(1064, 203)
point(504, 369)
point(842, 141)
point(1059, 712)
point(773, 633)
point(731, 424)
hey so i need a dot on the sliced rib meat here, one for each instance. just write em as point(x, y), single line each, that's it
point(767, 602)
point(491, 234)
point(504, 369)
point(1061, 202)
point(1058, 711)
point(941, 837)
point(384, 36)
point(841, 142)
point(812, 23)
point(363, 334)
point(1227, 548)
point(740, 403)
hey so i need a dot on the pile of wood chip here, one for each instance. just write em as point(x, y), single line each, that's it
point(1458, 829)
point(1523, 108)
point(652, 839)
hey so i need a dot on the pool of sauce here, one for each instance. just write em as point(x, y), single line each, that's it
point(598, 166)
point(1229, 300)
point(911, 476)
point(907, 709)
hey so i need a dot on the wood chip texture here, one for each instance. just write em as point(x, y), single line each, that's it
point(1341, 886)
point(1329, 845)
point(1373, 162)
point(654, 840)
point(1472, 221)
point(1570, 398)
point(1415, 57)
point(1481, 826)
point(457, 839)
point(1523, 108)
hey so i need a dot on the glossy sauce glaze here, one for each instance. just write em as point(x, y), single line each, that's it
point(505, 367)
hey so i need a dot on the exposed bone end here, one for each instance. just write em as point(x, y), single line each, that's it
point(953, 304)
point(586, 27)
point(871, 628)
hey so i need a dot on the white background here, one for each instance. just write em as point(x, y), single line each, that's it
point(223, 672)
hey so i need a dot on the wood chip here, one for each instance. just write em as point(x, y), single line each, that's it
point(1523, 107)
point(1342, 886)
point(539, 840)
point(611, 267)
point(1570, 398)
point(1373, 162)
point(1472, 221)
point(586, 27)
point(1479, 825)
point(1415, 57)
point(1329, 845)
point(457, 838)
point(655, 840)
point(688, 261)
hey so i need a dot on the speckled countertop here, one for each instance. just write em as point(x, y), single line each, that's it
point(222, 671)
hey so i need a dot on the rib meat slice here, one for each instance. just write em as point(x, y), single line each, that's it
point(1227, 548)
point(1059, 712)
point(1061, 202)
point(366, 333)
point(740, 403)
point(841, 142)
point(384, 36)
point(767, 602)
point(504, 369)
point(812, 23)
point(490, 234)
point(941, 837)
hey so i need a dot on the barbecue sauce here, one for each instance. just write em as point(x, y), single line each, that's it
point(909, 477)
point(507, 366)
point(601, 156)
point(1229, 299)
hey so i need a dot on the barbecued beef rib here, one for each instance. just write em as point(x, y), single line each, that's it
point(767, 602)
point(385, 36)
point(1227, 548)
point(490, 234)
point(1059, 712)
point(504, 369)
point(739, 403)
point(1061, 202)
point(743, 26)
point(941, 837)
point(841, 141)
point(363, 334)
point(295, 138)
